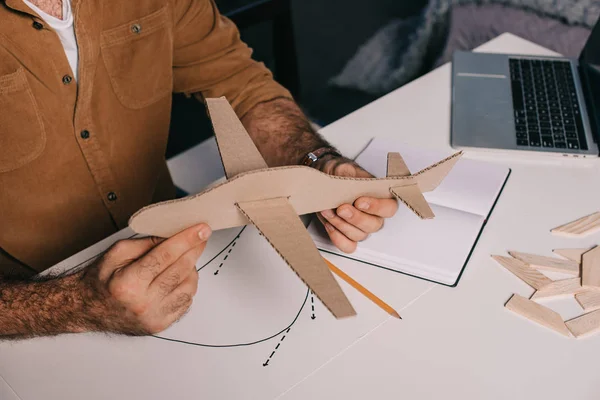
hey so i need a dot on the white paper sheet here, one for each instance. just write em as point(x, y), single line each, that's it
point(434, 249)
point(250, 334)
point(6, 393)
point(253, 332)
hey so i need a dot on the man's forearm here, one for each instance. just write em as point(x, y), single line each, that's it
point(281, 132)
point(42, 308)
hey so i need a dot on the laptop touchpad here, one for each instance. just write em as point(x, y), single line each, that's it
point(482, 111)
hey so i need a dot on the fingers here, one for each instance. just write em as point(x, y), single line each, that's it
point(179, 301)
point(124, 252)
point(172, 277)
point(173, 306)
point(340, 240)
point(384, 208)
point(350, 224)
point(350, 231)
point(168, 252)
point(365, 222)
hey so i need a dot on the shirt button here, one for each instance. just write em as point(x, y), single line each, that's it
point(67, 79)
point(136, 28)
point(85, 134)
point(38, 25)
point(112, 196)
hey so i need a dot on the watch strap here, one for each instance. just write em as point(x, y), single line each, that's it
point(314, 156)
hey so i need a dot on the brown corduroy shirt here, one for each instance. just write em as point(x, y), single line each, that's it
point(78, 158)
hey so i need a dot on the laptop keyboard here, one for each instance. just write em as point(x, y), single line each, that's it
point(547, 113)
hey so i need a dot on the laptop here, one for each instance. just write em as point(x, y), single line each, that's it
point(527, 103)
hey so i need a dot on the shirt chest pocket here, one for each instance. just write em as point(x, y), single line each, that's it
point(139, 57)
point(22, 134)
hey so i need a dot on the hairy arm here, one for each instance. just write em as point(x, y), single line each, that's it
point(281, 132)
point(63, 304)
point(45, 307)
point(138, 287)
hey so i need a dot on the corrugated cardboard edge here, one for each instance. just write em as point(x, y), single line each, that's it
point(429, 178)
point(413, 198)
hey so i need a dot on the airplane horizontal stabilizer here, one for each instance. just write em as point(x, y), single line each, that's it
point(412, 196)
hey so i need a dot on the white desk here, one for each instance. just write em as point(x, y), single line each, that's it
point(453, 342)
point(460, 343)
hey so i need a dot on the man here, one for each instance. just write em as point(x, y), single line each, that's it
point(85, 97)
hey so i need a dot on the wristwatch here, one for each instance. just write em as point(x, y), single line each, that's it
point(318, 154)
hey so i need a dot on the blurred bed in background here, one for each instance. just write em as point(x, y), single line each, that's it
point(404, 48)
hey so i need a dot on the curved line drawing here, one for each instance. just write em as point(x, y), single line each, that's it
point(240, 344)
point(235, 344)
point(222, 251)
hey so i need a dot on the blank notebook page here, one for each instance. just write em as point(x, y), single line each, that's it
point(435, 249)
point(471, 185)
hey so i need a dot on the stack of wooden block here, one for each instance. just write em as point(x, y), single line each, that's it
point(584, 267)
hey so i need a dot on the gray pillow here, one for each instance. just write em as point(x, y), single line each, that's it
point(472, 25)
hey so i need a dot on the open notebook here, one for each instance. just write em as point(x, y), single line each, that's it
point(435, 249)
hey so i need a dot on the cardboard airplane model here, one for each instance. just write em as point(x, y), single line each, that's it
point(273, 198)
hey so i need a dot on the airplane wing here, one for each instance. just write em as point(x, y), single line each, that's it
point(277, 220)
point(238, 151)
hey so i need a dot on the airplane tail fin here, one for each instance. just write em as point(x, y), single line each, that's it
point(430, 177)
point(238, 152)
point(396, 165)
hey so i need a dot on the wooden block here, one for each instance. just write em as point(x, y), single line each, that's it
point(547, 263)
point(530, 276)
point(585, 324)
point(537, 313)
point(581, 227)
point(590, 268)
point(564, 287)
point(589, 299)
point(572, 254)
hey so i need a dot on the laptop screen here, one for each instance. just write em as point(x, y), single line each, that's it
point(589, 62)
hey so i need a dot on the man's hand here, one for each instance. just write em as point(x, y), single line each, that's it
point(351, 223)
point(142, 286)
point(284, 136)
point(138, 287)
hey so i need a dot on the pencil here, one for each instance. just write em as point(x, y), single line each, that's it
point(382, 304)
